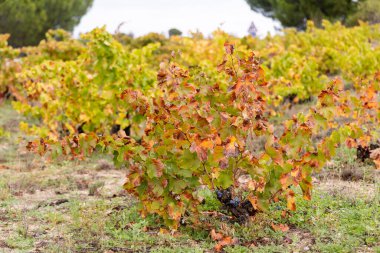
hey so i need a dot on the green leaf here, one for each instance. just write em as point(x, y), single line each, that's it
point(225, 179)
point(189, 162)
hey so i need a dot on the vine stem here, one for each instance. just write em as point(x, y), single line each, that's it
point(208, 174)
point(233, 66)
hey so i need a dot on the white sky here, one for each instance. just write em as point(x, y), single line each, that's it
point(144, 16)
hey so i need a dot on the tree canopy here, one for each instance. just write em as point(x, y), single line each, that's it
point(368, 11)
point(294, 13)
point(28, 20)
point(175, 32)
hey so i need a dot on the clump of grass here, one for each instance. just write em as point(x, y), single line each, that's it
point(94, 188)
point(4, 133)
point(5, 191)
point(20, 242)
point(339, 224)
point(104, 164)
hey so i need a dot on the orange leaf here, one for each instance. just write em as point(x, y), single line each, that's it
point(291, 201)
point(226, 241)
point(284, 180)
point(280, 227)
point(253, 200)
point(207, 144)
point(17, 94)
point(3, 167)
point(351, 143)
point(216, 236)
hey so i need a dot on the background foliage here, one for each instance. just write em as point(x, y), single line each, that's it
point(296, 13)
point(28, 20)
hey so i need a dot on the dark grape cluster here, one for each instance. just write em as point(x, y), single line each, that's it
point(363, 152)
point(240, 209)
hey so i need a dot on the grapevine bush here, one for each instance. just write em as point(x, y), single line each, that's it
point(58, 46)
point(80, 95)
point(202, 135)
point(302, 63)
point(7, 65)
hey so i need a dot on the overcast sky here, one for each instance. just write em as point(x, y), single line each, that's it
point(144, 16)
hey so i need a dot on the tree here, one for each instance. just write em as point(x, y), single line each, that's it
point(174, 32)
point(295, 13)
point(28, 20)
point(368, 11)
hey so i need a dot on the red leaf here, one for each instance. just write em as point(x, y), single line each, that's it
point(159, 166)
point(229, 48)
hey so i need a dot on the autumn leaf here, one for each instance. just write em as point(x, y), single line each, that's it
point(164, 231)
point(207, 144)
point(216, 236)
point(284, 180)
point(222, 65)
point(225, 241)
point(159, 166)
point(229, 48)
point(280, 227)
point(3, 167)
point(291, 200)
point(231, 147)
point(201, 151)
point(254, 201)
point(175, 211)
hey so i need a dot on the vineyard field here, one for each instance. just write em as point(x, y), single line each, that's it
point(110, 143)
